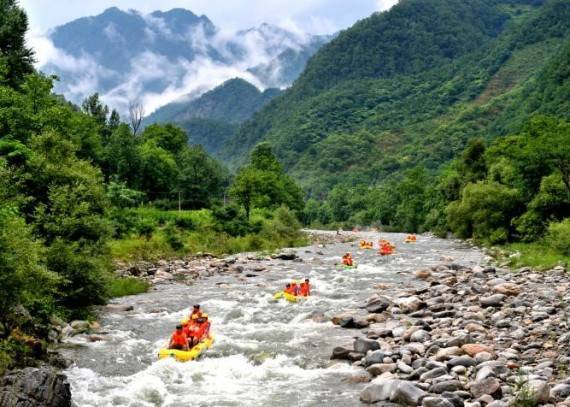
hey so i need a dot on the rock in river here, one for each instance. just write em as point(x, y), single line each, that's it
point(32, 387)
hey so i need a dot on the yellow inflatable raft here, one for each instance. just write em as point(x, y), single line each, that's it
point(186, 356)
point(287, 296)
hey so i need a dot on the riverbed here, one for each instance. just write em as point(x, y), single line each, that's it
point(266, 353)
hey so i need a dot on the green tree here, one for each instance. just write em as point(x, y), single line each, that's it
point(264, 184)
point(122, 157)
point(15, 58)
point(200, 178)
point(159, 171)
point(168, 137)
point(485, 212)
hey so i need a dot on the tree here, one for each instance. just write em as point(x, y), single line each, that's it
point(264, 184)
point(159, 171)
point(168, 137)
point(200, 178)
point(122, 157)
point(16, 59)
point(136, 115)
point(93, 107)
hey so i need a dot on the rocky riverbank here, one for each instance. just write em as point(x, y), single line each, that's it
point(464, 336)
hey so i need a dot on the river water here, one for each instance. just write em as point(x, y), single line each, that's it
point(266, 353)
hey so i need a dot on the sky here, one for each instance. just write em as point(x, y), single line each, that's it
point(312, 16)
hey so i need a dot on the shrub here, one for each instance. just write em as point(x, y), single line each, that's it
point(173, 238)
point(559, 236)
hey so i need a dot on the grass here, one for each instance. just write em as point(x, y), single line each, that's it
point(536, 255)
point(177, 234)
point(121, 287)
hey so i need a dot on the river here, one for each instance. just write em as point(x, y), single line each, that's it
point(266, 353)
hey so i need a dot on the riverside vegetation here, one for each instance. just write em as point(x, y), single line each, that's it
point(461, 125)
point(78, 186)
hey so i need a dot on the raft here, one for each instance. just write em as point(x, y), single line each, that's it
point(287, 296)
point(409, 241)
point(186, 356)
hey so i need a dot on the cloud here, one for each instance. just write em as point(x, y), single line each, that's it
point(382, 5)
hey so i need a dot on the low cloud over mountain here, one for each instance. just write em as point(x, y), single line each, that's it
point(163, 56)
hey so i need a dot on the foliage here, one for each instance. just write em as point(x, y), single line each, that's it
point(264, 184)
point(558, 236)
point(122, 287)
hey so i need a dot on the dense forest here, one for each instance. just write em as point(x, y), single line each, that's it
point(385, 122)
point(79, 188)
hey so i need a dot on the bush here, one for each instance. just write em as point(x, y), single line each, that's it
point(558, 236)
point(173, 238)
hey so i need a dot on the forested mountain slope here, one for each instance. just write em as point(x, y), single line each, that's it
point(215, 116)
point(411, 86)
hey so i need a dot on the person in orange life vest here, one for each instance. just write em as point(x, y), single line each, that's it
point(288, 289)
point(195, 311)
point(193, 331)
point(179, 340)
point(294, 288)
point(347, 260)
point(305, 289)
point(206, 326)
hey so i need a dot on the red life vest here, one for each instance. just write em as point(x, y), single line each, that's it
point(179, 338)
point(305, 290)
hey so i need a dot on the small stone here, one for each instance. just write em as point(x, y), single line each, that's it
point(560, 391)
point(492, 301)
point(489, 386)
point(465, 361)
point(540, 389)
point(380, 368)
point(404, 368)
point(432, 374)
point(483, 357)
point(509, 289)
point(473, 349)
point(420, 336)
point(374, 357)
point(410, 304)
point(436, 402)
point(448, 385)
point(423, 274)
point(460, 370)
point(446, 353)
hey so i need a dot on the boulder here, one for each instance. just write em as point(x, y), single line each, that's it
point(377, 305)
point(374, 357)
point(285, 255)
point(423, 274)
point(420, 336)
point(32, 387)
point(340, 352)
point(363, 345)
point(465, 361)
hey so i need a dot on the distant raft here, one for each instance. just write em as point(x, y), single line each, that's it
point(186, 356)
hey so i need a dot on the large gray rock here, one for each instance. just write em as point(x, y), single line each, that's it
point(462, 361)
point(363, 345)
point(447, 385)
point(398, 391)
point(374, 357)
point(32, 387)
point(341, 352)
point(540, 389)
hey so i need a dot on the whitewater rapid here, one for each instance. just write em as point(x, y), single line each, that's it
point(266, 353)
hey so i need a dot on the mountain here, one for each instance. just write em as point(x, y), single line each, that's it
point(214, 117)
point(163, 56)
point(411, 87)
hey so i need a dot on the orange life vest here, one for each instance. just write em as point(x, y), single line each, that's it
point(179, 338)
point(305, 290)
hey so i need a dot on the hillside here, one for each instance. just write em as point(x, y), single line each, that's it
point(411, 86)
point(215, 116)
point(159, 57)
